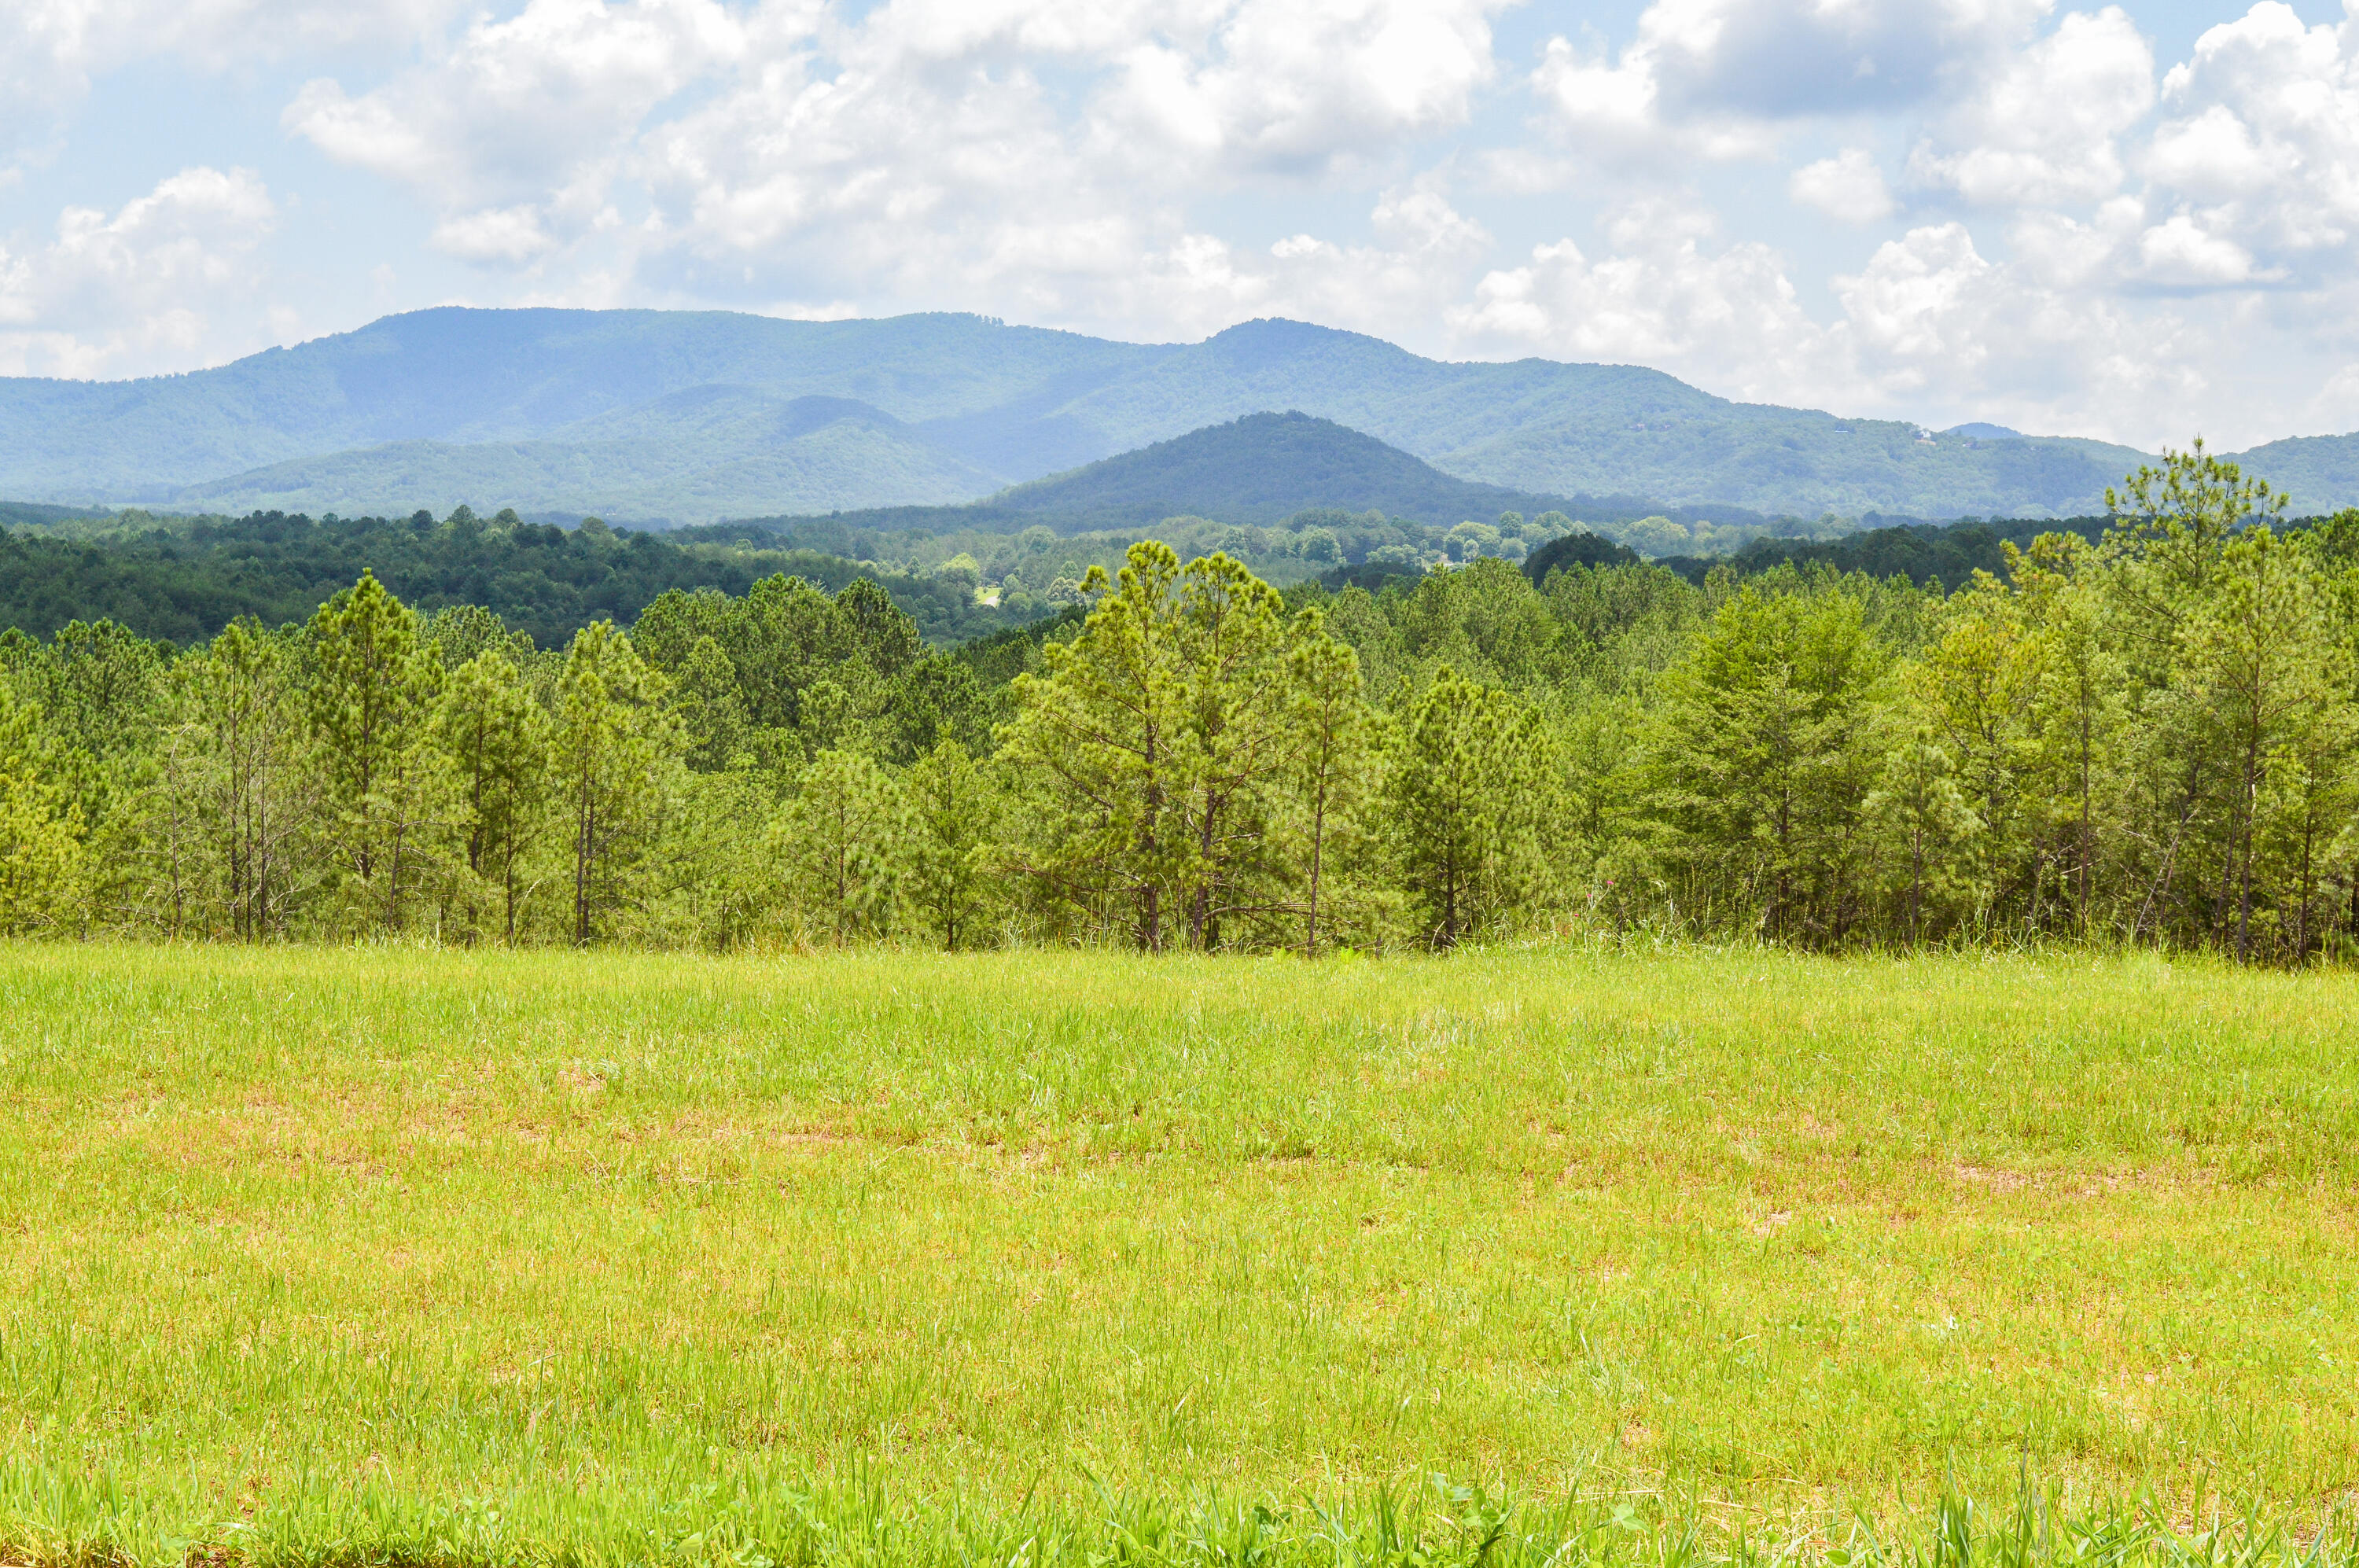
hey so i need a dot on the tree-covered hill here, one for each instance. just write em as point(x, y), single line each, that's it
point(1260, 469)
point(1922, 552)
point(692, 455)
point(184, 580)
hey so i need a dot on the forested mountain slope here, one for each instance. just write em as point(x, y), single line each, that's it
point(184, 582)
point(1260, 469)
point(697, 415)
point(691, 456)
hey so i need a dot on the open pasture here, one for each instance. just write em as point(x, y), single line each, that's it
point(373, 1255)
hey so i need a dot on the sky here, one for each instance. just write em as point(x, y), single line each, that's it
point(2137, 221)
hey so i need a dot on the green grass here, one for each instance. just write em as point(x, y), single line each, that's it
point(363, 1256)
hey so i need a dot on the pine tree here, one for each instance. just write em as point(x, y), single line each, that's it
point(1333, 740)
point(1098, 736)
point(1155, 738)
point(611, 749)
point(372, 689)
point(2079, 708)
point(844, 838)
point(1760, 760)
point(42, 865)
point(238, 777)
point(952, 805)
point(1919, 802)
point(1458, 794)
point(2276, 682)
point(494, 740)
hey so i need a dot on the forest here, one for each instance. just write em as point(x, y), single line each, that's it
point(2149, 737)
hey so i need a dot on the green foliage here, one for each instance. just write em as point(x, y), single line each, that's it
point(183, 579)
point(2152, 739)
point(1463, 803)
point(955, 829)
point(42, 855)
point(610, 748)
point(493, 736)
point(1151, 745)
point(1763, 762)
point(372, 682)
point(844, 841)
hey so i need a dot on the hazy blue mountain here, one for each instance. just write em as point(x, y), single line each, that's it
point(694, 415)
point(470, 377)
point(705, 452)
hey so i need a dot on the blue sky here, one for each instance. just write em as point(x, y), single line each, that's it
point(2133, 222)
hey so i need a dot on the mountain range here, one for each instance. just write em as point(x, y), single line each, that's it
point(685, 417)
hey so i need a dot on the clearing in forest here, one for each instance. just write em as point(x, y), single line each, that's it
point(373, 1255)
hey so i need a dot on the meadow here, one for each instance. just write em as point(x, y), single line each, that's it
point(372, 1256)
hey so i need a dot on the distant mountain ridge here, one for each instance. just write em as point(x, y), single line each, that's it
point(698, 416)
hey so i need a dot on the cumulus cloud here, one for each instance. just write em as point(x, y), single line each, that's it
point(1716, 78)
point(517, 130)
point(120, 293)
point(2057, 236)
point(1305, 87)
point(923, 139)
point(2259, 149)
point(1848, 187)
point(1930, 327)
point(2041, 129)
point(1661, 294)
point(50, 50)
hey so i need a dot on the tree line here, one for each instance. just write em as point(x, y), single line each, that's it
point(184, 578)
point(2150, 737)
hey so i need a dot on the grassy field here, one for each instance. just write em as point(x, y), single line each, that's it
point(374, 1256)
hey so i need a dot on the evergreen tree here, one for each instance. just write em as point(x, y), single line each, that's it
point(1333, 745)
point(2079, 709)
point(610, 755)
point(1098, 738)
point(953, 823)
point(494, 740)
point(844, 838)
point(1761, 761)
point(2277, 688)
point(1156, 738)
point(1919, 802)
point(42, 864)
point(372, 688)
point(237, 773)
point(1459, 801)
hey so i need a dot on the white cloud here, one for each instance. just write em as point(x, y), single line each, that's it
point(1716, 78)
point(2260, 148)
point(1929, 328)
point(2080, 251)
point(2040, 131)
point(2180, 251)
point(1306, 86)
point(1663, 296)
point(50, 50)
point(1848, 187)
point(517, 130)
point(892, 159)
point(141, 288)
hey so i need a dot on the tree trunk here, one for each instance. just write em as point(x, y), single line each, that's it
point(1317, 848)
